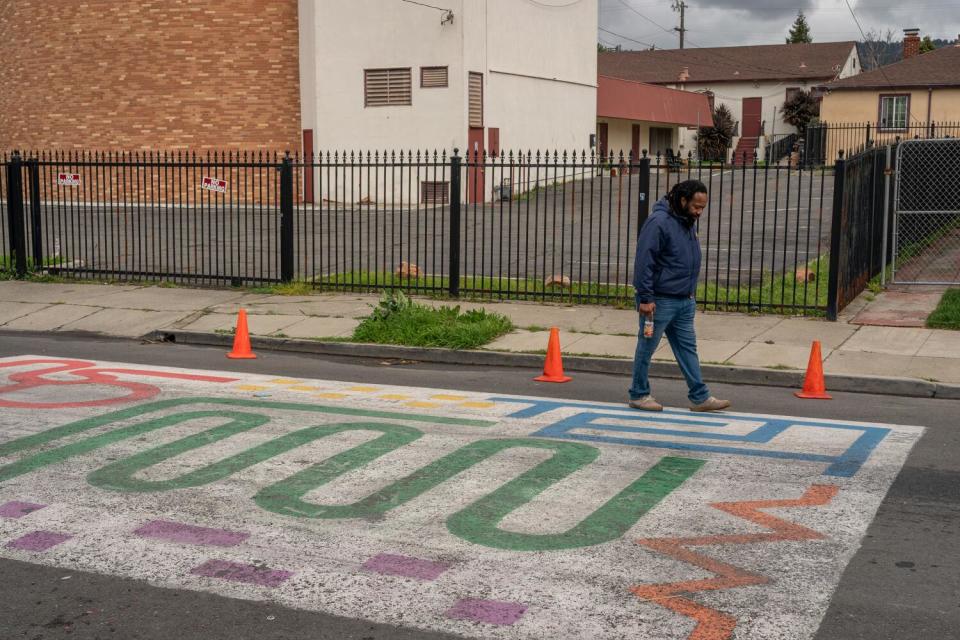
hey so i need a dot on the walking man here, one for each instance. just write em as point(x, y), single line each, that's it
point(665, 280)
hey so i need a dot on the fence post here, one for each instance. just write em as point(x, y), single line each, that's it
point(887, 171)
point(833, 280)
point(36, 227)
point(867, 144)
point(454, 249)
point(643, 192)
point(18, 240)
point(286, 219)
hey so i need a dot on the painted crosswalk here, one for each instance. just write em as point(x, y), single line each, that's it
point(480, 514)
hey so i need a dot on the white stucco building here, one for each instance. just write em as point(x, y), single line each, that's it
point(480, 74)
point(752, 81)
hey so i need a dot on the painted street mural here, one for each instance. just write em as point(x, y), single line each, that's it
point(485, 515)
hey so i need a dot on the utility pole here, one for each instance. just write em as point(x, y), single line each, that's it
point(680, 5)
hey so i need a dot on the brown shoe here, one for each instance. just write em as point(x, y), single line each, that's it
point(646, 403)
point(711, 404)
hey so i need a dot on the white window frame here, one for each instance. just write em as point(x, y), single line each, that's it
point(894, 112)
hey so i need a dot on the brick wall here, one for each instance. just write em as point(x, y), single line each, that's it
point(149, 74)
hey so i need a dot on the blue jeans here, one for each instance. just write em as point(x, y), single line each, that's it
point(673, 316)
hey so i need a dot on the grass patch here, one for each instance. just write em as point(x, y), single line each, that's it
point(947, 313)
point(779, 294)
point(295, 288)
point(8, 267)
point(481, 287)
point(399, 320)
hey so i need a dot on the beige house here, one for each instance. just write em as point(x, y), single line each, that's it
point(751, 81)
point(918, 96)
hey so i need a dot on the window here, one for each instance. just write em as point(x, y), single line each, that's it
point(791, 93)
point(433, 77)
point(386, 87)
point(894, 111)
point(475, 118)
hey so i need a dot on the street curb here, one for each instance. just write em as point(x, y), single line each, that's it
point(908, 387)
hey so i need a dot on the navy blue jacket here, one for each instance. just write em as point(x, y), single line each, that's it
point(668, 256)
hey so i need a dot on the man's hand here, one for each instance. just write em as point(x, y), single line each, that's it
point(647, 309)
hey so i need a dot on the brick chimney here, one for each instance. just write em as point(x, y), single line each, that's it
point(684, 74)
point(911, 43)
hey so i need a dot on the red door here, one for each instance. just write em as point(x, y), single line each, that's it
point(635, 142)
point(493, 141)
point(752, 108)
point(475, 169)
point(308, 161)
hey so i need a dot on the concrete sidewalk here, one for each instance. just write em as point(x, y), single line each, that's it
point(740, 340)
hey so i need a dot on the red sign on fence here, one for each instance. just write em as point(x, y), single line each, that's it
point(214, 184)
point(68, 179)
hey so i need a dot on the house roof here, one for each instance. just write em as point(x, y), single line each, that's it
point(938, 68)
point(650, 103)
point(817, 61)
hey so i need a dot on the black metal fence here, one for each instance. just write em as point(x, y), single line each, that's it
point(535, 226)
point(823, 142)
point(862, 221)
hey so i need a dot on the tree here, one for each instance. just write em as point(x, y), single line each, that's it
point(878, 49)
point(926, 45)
point(800, 31)
point(713, 142)
point(800, 109)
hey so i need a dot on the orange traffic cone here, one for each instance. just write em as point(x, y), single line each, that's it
point(553, 366)
point(241, 339)
point(814, 387)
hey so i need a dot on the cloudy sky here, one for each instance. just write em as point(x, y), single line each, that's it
point(713, 23)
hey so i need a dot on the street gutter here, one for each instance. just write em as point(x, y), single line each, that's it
point(727, 374)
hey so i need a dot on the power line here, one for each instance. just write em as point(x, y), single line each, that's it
point(646, 44)
point(656, 24)
point(426, 5)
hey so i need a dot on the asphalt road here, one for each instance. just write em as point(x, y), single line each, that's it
point(902, 583)
point(756, 225)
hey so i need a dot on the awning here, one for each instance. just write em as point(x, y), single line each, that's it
point(630, 100)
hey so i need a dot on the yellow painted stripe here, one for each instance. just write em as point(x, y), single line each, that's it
point(478, 405)
point(363, 389)
point(331, 395)
point(283, 381)
point(250, 387)
point(421, 405)
point(442, 396)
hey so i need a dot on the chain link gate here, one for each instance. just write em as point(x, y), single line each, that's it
point(926, 231)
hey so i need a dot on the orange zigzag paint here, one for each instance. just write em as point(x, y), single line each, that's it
point(713, 624)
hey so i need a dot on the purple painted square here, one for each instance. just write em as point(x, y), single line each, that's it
point(241, 573)
point(17, 509)
point(38, 541)
point(488, 611)
point(394, 565)
point(190, 534)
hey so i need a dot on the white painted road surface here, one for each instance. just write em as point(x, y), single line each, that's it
point(488, 516)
